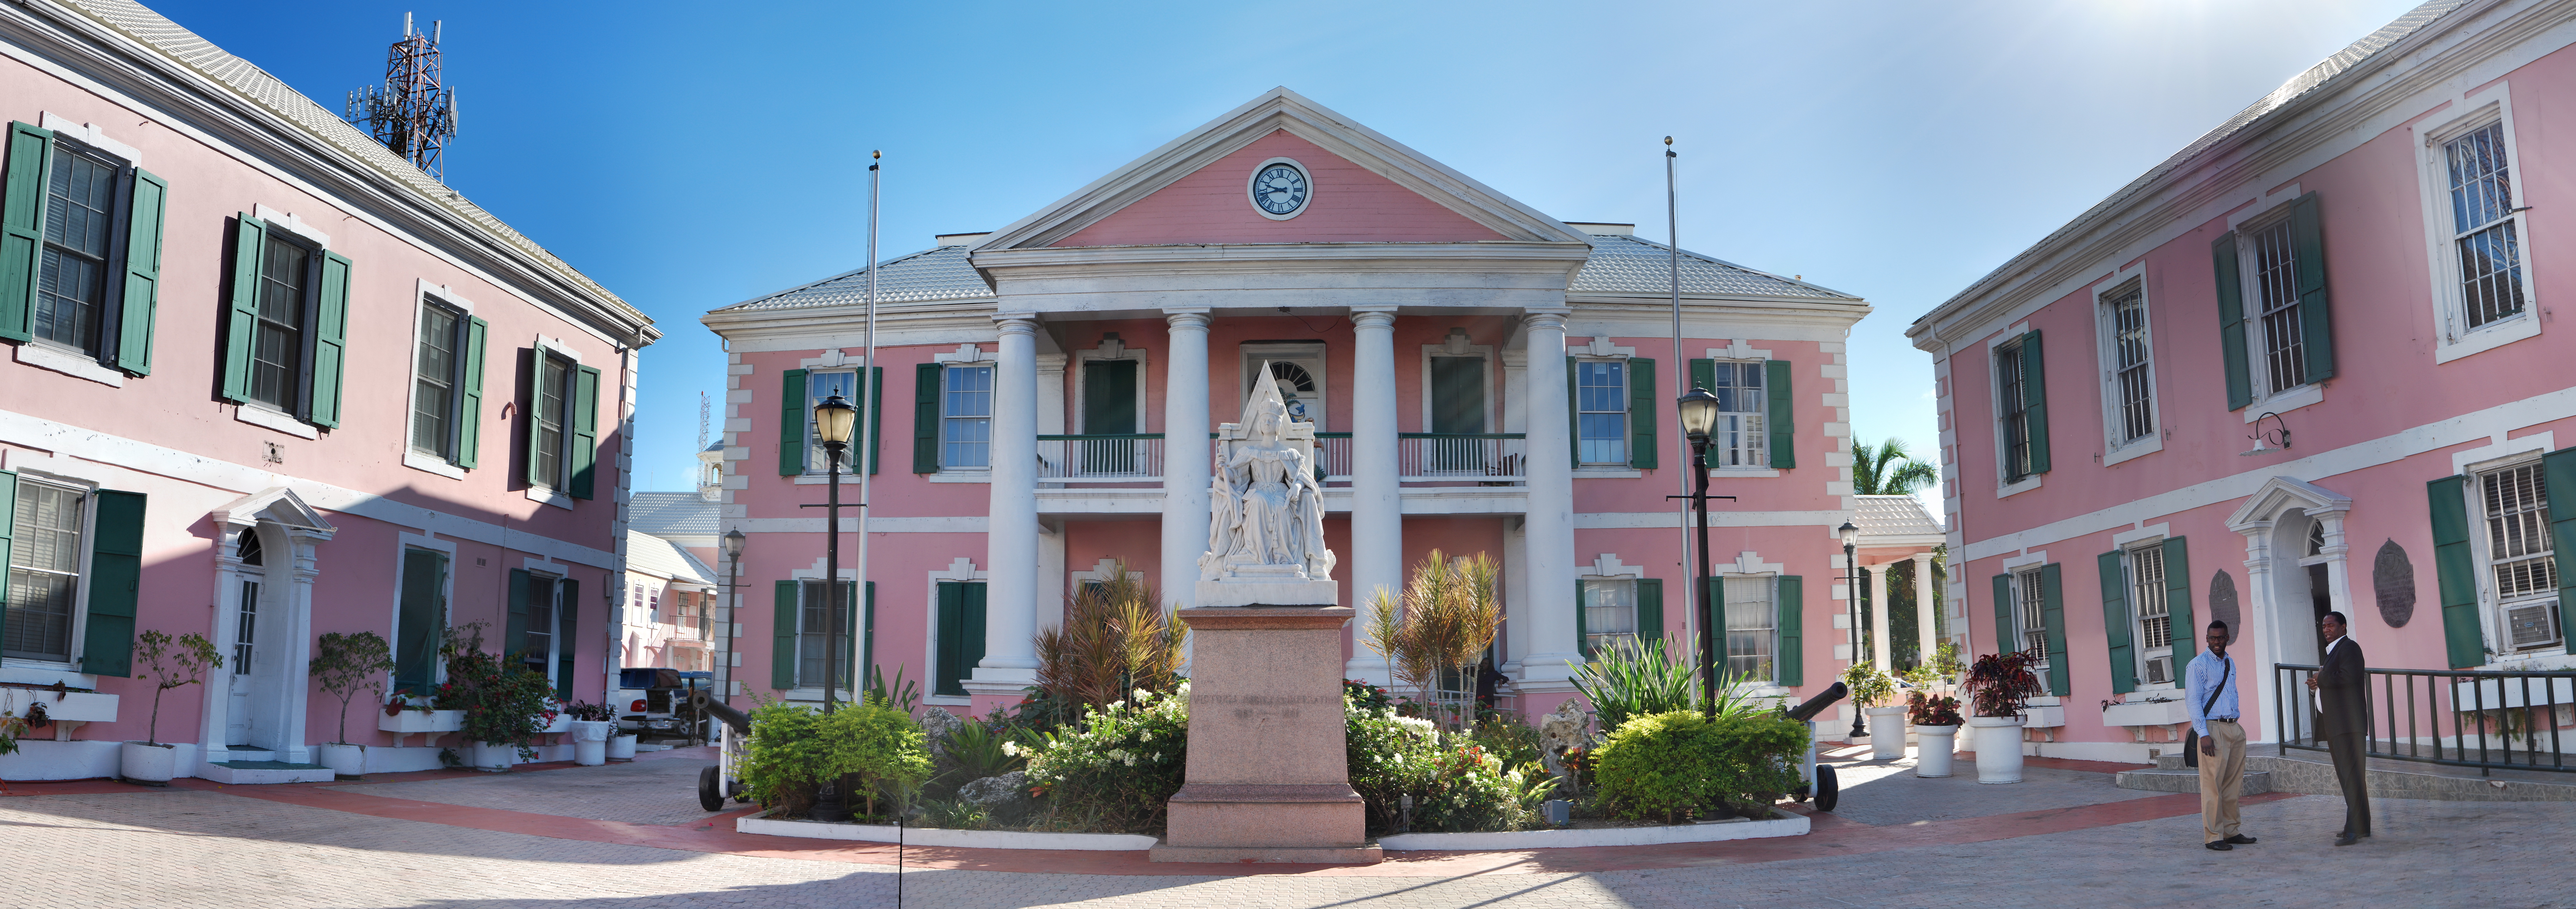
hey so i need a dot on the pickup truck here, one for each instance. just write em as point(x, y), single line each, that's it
point(657, 700)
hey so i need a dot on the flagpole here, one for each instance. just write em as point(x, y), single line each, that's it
point(1681, 364)
point(870, 398)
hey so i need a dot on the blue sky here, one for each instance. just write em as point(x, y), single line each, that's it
point(693, 156)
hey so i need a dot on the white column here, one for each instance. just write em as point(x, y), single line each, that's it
point(1011, 538)
point(1376, 559)
point(1549, 526)
point(1185, 455)
point(1926, 642)
point(1878, 643)
point(1051, 396)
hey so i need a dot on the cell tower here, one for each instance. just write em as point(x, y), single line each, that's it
point(411, 113)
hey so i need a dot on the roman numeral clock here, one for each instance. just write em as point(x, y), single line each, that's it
point(1279, 189)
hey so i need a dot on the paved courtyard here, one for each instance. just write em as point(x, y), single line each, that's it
point(631, 836)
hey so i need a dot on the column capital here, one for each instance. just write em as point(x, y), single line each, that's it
point(1543, 320)
point(1016, 323)
point(1373, 317)
point(1186, 318)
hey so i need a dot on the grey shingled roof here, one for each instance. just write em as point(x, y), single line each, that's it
point(1893, 516)
point(649, 554)
point(1619, 266)
point(672, 514)
point(192, 52)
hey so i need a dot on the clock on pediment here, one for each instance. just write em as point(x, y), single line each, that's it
point(1279, 189)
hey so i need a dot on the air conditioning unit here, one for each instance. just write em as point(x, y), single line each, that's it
point(2531, 624)
point(2160, 671)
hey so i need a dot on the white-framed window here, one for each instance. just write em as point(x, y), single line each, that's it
point(1752, 638)
point(545, 602)
point(1297, 369)
point(279, 348)
point(1609, 614)
point(2129, 359)
point(48, 541)
point(73, 280)
point(1601, 412)
point(1742, 434)
point(819, 385)
point(2521, 569)
point(2013, 411)
point(2482, 265)
point(812, 614)
point(438, 380)
point(965, 418)
point(2150, 615)
point(2276, 335)
point(550, 432)
point(2030, 615)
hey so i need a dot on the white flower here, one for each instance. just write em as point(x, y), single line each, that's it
point(1143, 695)
point(1131, 760)
point(1115, 705)
point(1149, 736)
point(1011, 748)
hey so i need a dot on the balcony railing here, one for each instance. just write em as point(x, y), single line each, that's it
point(1122, 458)
point(2497, 719)
point(1436, 457)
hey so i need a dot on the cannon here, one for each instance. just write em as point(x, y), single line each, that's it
point(1826, 790)
point(724, 780)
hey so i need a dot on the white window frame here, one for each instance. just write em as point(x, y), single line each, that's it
point(1489, 373)
point(945, 389)
point(1757, 448)
point(112, 264)
point(2026, 615)
point(2137, 596)
point(571, 396)
point(80, 585)
point(1589, 632)
point(393, 616)
point(1082, 384)
point(413, 457)
point(2492, 605)
point(2258, 367)
point(1307, 355)
point(1626, 436)
point(2117, 447)
point(815, 460)
point(2452, 338)
point(2006, 482)
point(1771, 629)
point(554, 614)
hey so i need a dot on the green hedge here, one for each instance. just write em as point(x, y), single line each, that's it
point(1663, 765)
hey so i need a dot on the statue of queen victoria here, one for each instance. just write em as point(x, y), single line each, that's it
point(1266, 512)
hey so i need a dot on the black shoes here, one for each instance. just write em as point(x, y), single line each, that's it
point(2217, 845)
point(2346, 839)
point(2241, 840)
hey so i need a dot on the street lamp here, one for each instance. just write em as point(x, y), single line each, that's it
point(732, 541)
point(1851, 594)
point(833, 418)
point(1699, 414)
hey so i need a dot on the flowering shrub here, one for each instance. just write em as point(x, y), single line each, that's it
point(1940, 711)
point(505, 702)
point(1116, 770)
point(1456, 784)
point(1367, 696)
point(1667, 764)
point(794, 750)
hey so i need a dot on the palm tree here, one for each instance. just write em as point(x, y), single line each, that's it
point(1889, 471)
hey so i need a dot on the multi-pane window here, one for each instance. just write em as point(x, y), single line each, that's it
point(1740, 438)
point(1601, 404)
point(539, 653)
point(44, 572)
point(966, 417)
point(2030, 606)
point(2154, 631)
point(818, 386)
point(549, 431)
point(2132, 384)
point(71, 284)
point(246, 628)
point(1750, 639)
point(811, 632)
point(277, 339)
point(2013, 398)
point(2283, 360)
point(2482, 225)
point(1609, 615)
point(2519, 558)
point(436, 368)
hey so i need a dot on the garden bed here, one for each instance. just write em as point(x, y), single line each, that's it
point(1735, 829)
point(933, 836)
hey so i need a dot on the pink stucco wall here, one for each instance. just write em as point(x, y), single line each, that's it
point(1352, 204)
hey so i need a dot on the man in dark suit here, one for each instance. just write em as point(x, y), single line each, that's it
point(2343, 695)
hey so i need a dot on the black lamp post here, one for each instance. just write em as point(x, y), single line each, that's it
point(732, 540)
point(1851, 594)
point(833, 418)
point(1699, 414)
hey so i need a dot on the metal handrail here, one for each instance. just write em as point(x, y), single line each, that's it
point(2489, 710)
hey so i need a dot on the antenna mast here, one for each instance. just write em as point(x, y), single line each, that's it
point(411, 113)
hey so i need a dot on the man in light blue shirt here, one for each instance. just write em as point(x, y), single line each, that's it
point(2209, 691)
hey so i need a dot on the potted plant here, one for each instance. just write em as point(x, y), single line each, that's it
point(170, 663)
point(506, 705)
point(1871, 688)
point(347, 664)
point(592, 724)
point(1936, 725)
point(1999, 686)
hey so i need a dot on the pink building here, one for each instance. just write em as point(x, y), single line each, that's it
point(2303, 364)
point(1483, 379)
point(268, 381)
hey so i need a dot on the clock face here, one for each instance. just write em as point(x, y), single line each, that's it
point(1279, 189)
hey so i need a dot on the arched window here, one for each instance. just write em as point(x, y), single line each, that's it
point(1297, 386)
point(2316, 539)
point(248, 548)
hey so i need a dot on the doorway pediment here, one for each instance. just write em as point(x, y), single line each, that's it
point(276, 503)
point(2281, 496)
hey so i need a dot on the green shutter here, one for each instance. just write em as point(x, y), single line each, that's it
point(2005, 640)
point(2457, 571)
point(961, 634)
point(2052, 613)
point(142, 292)
point(22, 227)
point(868, 631)
point(2316, 320)
point(584, 444)
point(567, 640)
point(1791, 661)
point(330, 340)
point(2034, 383)
point(535, 364)
point(925, 417)
point(973, 644)
point(420, 621)
point(1703, 374)
point(1650, 609)
point(1458, 394)
point(2178, 612)
point(115, 583)
point(1644, 409)
point(2115, 621)
point(469, 412)
point(1582, 624)
point(1574, 411)
point(2231, 321)
point(782, 630)
point(1782, 414)
point(875, 395)
point(8, 521)
point(2560, 467)
point(791, 423)
point(514, 631)
point(1109, 397)
point(250, 237)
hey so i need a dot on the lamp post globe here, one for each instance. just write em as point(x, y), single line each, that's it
point(1699, 414)
point(733, 540)
point(1851, 594)
point(833, 418)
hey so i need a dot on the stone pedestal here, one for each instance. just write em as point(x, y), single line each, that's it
point(1268, 778)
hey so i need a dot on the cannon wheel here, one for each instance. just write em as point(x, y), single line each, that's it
point(711, 794)
point(1828, 790)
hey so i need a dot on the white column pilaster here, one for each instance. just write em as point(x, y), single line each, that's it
point(1011, 538)
point(1549, 526)
point(1926, 641)
point(1377, 510)
point(1878, 644)
point(1051, 395)
point(1186, 468)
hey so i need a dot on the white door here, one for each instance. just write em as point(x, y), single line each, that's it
point(237, 715)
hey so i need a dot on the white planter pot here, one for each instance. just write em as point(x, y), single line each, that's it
point(1886, 732)
point(80, 706)
point(1998, 748)
point(561, 723)
point(492, 755)
point(1932, 750)
point(587, 731)
point(621, 748)
point(590, 742)
point(344, 760)
point(144, 763)
point(411, 721)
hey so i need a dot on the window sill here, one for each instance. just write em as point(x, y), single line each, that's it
point(2026, 484)
point(962, 477)
point(1612, 473)
point(432, 464)
point(2489, 337)
point(550, 497)
point(2285, 402)
point(813, 479)
point(2154, 442)
point(269, 419)
point(815, 695)
point(1742, 472)
point(24, 671)
point(68, 363)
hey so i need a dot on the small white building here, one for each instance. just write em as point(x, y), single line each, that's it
point(668, 620)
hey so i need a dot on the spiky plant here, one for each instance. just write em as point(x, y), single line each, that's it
point(1116, 637)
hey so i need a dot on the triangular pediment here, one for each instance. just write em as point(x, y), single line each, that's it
point(2281, 496)
point(276, 503)
point(1367, 188)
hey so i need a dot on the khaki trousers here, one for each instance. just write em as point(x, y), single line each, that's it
point(2222, 781)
